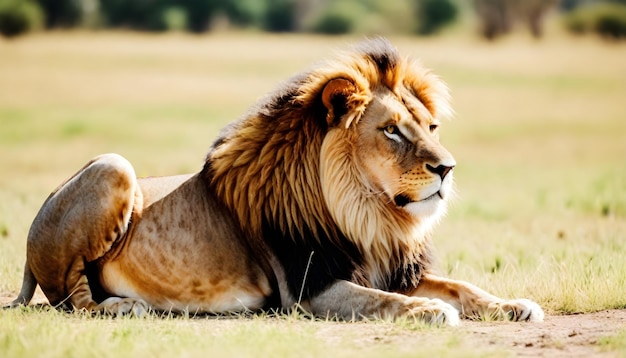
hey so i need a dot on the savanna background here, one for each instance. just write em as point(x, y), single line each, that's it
point(539, 90)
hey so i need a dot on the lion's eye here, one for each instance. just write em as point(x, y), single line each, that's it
point(392, 132)
point(433, 127)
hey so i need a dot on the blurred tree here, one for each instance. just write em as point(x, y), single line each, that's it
point(199, 13)
point(359, 16)
point(244, 12)
point(498, 16)
point(61, 13)
point(135, 14)
point(495, 17)
point(432, 15)
point(339, 17)
point(612, 24)
point(157, 15)
point(569, 5)
point(534, 12)
point(399, 16)
point(19, 16)
point(175, 19)
point(334, 23)
point(280, 16)
point(606, 18)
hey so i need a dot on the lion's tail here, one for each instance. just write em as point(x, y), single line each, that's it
point(29, 284)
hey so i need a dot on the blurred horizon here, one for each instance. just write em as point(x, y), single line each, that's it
point(487, 19)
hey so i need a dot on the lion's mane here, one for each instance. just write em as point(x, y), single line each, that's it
point(265, 169)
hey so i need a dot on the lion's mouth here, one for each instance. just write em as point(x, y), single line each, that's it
point(402, 200)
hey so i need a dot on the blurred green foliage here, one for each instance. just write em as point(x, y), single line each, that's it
point(607, 19)
point(422, 17)
point(434, 14)
point(321, 16)
point(280, 16)
point(339, 17)
point(19, 16)
point(175, 18)
point(157, 15)
point(65, 13)
point(362, 16)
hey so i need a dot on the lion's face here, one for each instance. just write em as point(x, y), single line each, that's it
point(391, 157)
point(398, 148)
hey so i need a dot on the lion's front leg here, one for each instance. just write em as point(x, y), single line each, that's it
point(474, 302)
point(350, 301)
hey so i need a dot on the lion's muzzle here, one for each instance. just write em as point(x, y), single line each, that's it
point(441, 170)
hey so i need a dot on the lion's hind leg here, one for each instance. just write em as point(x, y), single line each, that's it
point(79, 223)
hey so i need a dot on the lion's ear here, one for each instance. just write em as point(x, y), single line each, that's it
point(336, 99)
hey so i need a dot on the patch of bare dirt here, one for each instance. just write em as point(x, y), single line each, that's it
point(566, 335)
point(575, 335)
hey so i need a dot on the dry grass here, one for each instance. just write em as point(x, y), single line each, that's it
point(539, 135)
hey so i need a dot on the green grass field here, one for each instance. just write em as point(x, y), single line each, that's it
point(539, 136)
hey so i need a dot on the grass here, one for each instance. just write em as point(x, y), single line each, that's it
point(539, 135)
point(614, 342)
point(22, 335)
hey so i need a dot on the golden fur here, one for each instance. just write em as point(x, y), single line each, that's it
point(247, 164)
point(324, 195)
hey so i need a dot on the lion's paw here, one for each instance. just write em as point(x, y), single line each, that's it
point(435, 311)
point(118, 306)
point(521, 309)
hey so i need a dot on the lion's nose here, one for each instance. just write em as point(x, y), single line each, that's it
point(441, 170)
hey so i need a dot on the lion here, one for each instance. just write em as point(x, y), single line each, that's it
point(322, 197)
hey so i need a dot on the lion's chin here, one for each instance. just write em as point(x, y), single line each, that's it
point(431, 206)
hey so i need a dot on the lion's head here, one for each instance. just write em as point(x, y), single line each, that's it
point(344, 156)
point(393, 155)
